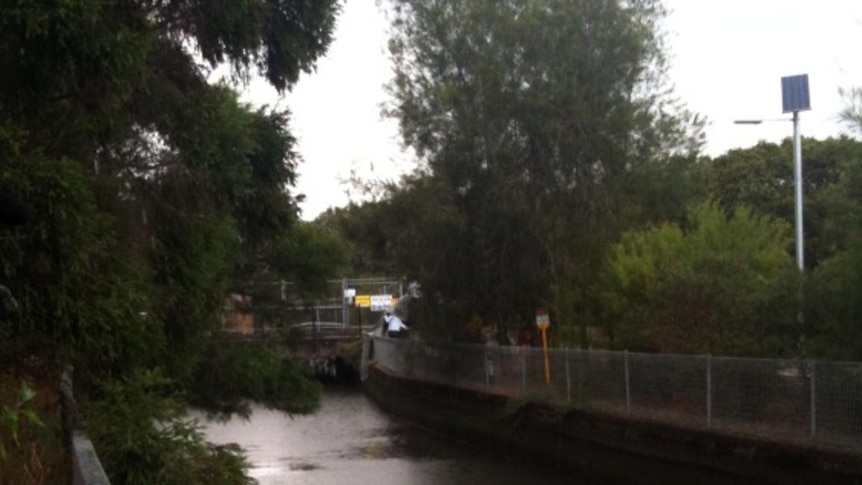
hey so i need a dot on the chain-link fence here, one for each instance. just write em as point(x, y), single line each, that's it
point(787, 401)
point(262, 306)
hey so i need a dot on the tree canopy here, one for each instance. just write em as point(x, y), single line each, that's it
point(558, 170)
point(530, 118)
point(719, 286)
point(150, 192)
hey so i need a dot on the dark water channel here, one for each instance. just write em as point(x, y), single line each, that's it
point(350, 441)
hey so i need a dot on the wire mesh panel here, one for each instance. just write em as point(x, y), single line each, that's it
point(533, 372)
point(469, 362)
point(760, 397)
point(778, 400)
point(412, 357)
point(430, 362)
point(667, 388)
point(389, 354)
point(445, 358)
point(837, 399)
point(505, 368)
point(598, 379)
point(423, 362)
point(559, 388)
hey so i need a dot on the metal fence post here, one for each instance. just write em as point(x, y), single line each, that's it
point(812, 365)
point(568, 379)
point(523, 369)
point(487, 370)
point(628, 389)
point(345, 316)
point(708, 390)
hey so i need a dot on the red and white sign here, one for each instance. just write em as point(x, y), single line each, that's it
point(542, 319)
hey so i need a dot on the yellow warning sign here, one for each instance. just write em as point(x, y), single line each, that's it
point(377, 303)
point(363, 301)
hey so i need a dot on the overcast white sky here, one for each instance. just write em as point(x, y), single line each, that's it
point(728, 57)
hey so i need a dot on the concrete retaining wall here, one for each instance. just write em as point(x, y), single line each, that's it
point(602, 448)
point(87, 469)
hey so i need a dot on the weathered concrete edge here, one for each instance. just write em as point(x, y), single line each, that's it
point(87, 469)
point(617, 449)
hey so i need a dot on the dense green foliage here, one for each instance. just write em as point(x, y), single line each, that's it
point(134, 451)
point(709, 269)
point(761, 177)
point(230, 378)
point(151, 194)
point(719, 286)
point(535, 122)
point(558, 171)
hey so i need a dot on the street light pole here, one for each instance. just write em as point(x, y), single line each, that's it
point(794, 98)
point(797, 182)
point(797, 175)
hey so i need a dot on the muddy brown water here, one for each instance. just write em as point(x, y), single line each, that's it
point(351, 441)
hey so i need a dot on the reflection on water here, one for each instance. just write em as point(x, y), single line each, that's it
point(350, 441)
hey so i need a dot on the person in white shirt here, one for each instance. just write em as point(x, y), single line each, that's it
point(394, 325)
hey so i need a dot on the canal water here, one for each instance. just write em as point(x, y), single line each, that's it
point(351, 441)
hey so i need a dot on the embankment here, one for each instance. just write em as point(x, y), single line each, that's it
point(604, 448)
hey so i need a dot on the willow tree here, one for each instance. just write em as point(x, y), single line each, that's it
point(537, 117)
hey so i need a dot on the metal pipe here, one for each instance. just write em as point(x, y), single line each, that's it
point(708, 390)
point(523, 369)
point(628, 389)
point(797, 174)
point(813, 390)
point(568, 378)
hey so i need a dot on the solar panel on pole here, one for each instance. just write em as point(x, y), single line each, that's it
point(794, 93)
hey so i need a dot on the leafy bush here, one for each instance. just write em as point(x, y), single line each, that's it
point(724, 285)
point(138, 427)
point(14, 416)
point(31, 447)
point(229, 377)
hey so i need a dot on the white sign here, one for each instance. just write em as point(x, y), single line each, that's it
point(349, 292)
point(380, 303)
point(542, 319)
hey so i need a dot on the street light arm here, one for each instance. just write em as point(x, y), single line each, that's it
point(747, 122)
point(760, 121)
